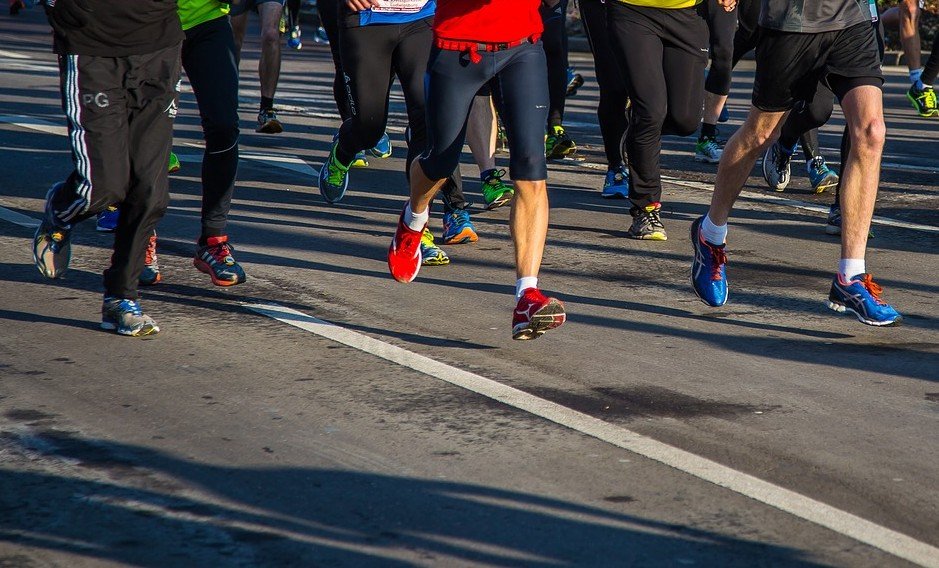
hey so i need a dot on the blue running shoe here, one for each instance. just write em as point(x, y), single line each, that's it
point(616, 184)
point(724, 116)
point(52, 246)
point(126, 318)
point(821, 176)
point(708, 270)
point(431, 254)
point(333, 177)
point(861, 297)
point(383, 148)
point(360, 160)
point(457, 228)
point(107, 220)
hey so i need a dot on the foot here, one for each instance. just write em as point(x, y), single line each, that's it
point(333, 178)
point(616, 184)
point(174, 165)
point(151, 268)
point(574, 82)
point(924, 101)
point(126, 318)
point(558, 144)
point(360, 160)
point(404, 254)
point(383, 148)
point(535, 314)
point(457, 228)
point(431, 254)
point(216, 260)
point(861, 297)
point(776, 167)
point(52, 247)
point(294, 41)
point(647, 223)
point(708, 150)
point(268, 123)
point(708, 269)
point(821, 176)
point(107, 219)
point(724, 116)
point(496, 192)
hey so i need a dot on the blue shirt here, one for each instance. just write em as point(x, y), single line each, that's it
point(367, 17)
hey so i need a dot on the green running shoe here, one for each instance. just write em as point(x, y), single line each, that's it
point(174, 165)
point(495, 191)
point(431, 254)
point(924, 101)
point(558, 144)
point(333, 178)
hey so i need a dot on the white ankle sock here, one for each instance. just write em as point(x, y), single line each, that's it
point(524, 283)
point(714, 234)
point(415, 221)
point(851, 267)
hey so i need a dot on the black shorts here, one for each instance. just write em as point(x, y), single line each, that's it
point(789, 66)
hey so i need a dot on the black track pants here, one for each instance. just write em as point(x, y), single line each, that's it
point(611, 112)
point(721, 26)
point(662, 54)
point(209, 57)
point(554, 39)
point(329, 17)
point(120, 113)
point(371, 57)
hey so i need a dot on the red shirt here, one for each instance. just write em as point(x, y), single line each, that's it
point(487, 21)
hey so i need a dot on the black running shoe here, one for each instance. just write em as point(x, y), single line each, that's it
point(268, 123)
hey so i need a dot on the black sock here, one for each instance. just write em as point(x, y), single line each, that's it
point(267, 103)
point(708, 130)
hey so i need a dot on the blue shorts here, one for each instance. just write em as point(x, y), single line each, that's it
point(452, 82)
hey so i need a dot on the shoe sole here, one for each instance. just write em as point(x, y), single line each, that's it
point(204, 268)
point(614, 195)
point(105, 229)
point(766, 176)
point(435, 262)
point(542, 321)
point(650, 237)
point(499, 202)
point(832, 230)
point(842, 309)
point(465, 236)
point(826, 184)
point(142, 332)
point(560, 154)
point(706, 160)
point(270, 127)
point(380, 155)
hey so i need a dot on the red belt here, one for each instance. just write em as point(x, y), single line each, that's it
point(473, 48)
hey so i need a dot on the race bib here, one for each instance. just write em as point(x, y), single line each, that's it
point(400, 6)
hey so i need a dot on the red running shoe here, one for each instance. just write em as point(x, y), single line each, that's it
point(404, 254)
point(536, 314)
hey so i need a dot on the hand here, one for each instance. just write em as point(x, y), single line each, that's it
point(728, 5)
point(359, 5)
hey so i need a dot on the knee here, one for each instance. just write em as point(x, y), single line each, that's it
point(819, 114)
point(270, 37)
point(870, 136)
point(684, 124)
point(220, 136)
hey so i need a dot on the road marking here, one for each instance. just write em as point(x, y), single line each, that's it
point(298, 165)
point(18, 218)
point(13, 54)
point(806, 508)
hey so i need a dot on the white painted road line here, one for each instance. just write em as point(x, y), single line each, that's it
point(18, 218)
point(806, 508)
point(33, 123)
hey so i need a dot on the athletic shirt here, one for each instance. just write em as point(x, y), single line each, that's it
point(813, 16)
point(489, 21)
point(393, 12)
point(195, 12)
point(667, 4)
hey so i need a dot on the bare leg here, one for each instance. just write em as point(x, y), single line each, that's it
point(863, 109)
point(238, 26)
point(269, 66)
point(529, 223)
point(481, 132)
point(423, 189)
point(712, 107)
point(909, 33)
point(740, 155)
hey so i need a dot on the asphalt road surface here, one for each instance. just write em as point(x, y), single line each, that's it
point(323, 414)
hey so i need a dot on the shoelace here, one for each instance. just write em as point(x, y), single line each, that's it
point(221, 252)
point(460, 217)
point(334, 173)
point(930, 101)
point(495, 177)
point(818, 165)
point(874, 288)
